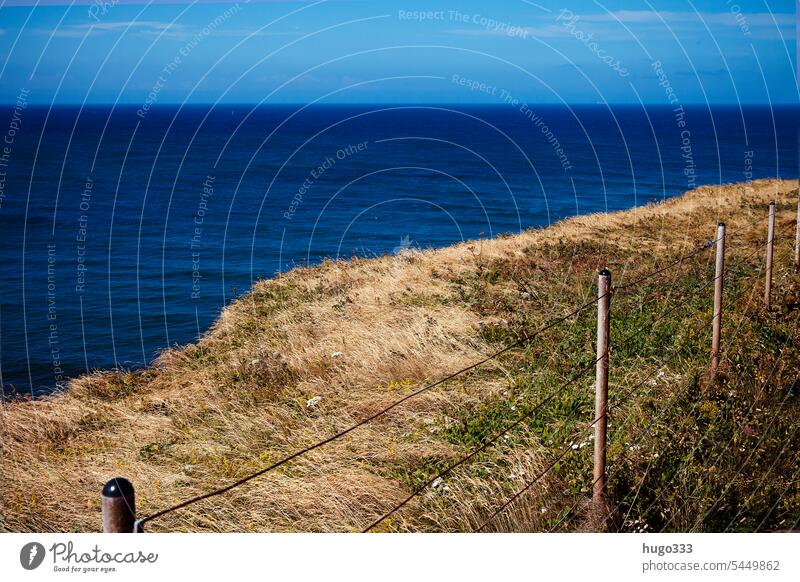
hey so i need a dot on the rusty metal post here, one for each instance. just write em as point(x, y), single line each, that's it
point(770, 240)
point(601, 393)
point(119, 506)
point(718, 284)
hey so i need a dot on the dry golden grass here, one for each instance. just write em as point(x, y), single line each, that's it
point(358, 334)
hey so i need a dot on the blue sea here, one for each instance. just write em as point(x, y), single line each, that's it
point(126, 231)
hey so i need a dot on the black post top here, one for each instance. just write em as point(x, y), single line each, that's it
point(118, 487)
point(604, 272)
point(721, 224)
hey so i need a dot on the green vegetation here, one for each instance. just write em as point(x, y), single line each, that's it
point(309, 354)
point(685, 453)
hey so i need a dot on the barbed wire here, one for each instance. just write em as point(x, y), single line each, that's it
point(746, 318)
point(563, 454)
point(749, 457)
point(608, 407)
point(485, 445)
point(524, 338)
point(637, 281)
point(643, 435)
point(649, 429)
point(520, 420)
point(696, 446)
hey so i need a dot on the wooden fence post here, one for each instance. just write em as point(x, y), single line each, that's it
point(718, 283)
point(601, 395)
point(119, 506)
point(797, 238)
point(770, 240)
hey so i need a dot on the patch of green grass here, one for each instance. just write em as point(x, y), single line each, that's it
point(687, 453)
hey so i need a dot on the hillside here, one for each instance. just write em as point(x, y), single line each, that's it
point(317, 349)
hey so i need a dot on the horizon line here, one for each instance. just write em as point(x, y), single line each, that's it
point(400, 103)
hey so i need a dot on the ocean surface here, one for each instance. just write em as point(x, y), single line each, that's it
point(126, 231)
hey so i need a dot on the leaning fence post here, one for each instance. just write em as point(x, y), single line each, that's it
point(601, 393)
point(119, 506)
point(718, 282)
point(770, 240)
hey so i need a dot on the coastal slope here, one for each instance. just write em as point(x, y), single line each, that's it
point(313, 351)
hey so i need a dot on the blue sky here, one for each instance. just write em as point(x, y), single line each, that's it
point(624, 51)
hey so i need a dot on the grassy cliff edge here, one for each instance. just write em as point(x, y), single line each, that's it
point(313, 351)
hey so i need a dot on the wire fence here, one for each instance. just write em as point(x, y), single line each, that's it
point(118, 500)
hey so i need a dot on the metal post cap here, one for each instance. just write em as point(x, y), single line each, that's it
point(604, 272)
point(118, 487)
point(721, 224)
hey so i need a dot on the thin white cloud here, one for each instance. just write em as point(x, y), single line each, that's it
point(43, 3)
point(150, 27)
point(728, 18)
point(545, 31)
point(132, 24)
point(165, 30)
point(758, 25)
point(611, 26)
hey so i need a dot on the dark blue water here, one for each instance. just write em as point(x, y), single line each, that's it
point(123, 234)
